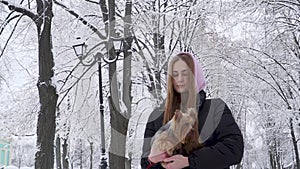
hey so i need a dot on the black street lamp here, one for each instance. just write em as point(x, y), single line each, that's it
point(80, 51)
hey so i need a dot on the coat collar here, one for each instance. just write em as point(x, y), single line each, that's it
point(200, 99)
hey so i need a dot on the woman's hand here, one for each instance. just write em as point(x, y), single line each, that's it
point(156, 156)
point(175, 162)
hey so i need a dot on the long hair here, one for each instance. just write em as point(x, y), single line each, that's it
point(174, 99)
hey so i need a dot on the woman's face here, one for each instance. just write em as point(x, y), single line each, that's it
point(180, 74)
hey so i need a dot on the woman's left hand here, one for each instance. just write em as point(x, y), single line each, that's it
point(175, 162)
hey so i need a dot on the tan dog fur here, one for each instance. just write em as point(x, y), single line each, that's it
point(178, 136)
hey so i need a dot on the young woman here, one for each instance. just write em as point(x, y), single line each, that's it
point(218, 132)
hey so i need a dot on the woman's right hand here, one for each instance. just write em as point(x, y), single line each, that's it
point(156, 156)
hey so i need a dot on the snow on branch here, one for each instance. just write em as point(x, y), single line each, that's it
point(92, 2)
point(19, 9)
point(85, 22)
point(9, 37)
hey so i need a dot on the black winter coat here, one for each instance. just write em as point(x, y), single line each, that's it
point(221, 136)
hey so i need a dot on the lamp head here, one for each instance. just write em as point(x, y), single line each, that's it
point(80, 50)
point(118, 45)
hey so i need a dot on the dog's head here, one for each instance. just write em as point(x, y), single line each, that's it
point(183, 122)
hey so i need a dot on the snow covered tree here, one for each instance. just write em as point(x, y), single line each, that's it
point(46, 86)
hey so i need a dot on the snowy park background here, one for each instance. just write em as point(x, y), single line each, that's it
point(249, 50)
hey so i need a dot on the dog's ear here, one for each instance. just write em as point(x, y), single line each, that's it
point(177, 114)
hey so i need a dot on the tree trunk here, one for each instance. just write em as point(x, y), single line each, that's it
point(91, 155)
point(44, 157)
point(65, 159)
point(58, 153)
point(127, 98)
point(294, 143)
point(81, 155)
point(239, 166)
point(274, 154)
point(272, 163)
point(119, 123)
point(277, 154)
point(159, 48)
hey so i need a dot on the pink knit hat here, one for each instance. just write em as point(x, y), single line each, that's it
point(199, 75)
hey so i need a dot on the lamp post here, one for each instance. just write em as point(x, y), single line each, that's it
point(80, 51)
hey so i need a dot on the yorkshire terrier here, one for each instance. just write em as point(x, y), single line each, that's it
point(180, 135)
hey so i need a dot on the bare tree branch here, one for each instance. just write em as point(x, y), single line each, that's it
point(256, 76)
point(74, 84)
point(85, 22)
point(92, 2)
point(6, 43)
point(24, 11)
point(278, 63)
point(7, 20)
